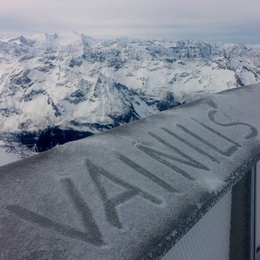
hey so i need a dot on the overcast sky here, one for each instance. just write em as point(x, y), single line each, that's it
point(210, 20)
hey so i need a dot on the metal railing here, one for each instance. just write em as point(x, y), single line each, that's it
point(134, 191)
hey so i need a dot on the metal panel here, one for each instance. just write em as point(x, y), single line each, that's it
point(209, 238)
point(258, 210)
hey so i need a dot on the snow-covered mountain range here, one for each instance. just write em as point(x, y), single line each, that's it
point(70, 85)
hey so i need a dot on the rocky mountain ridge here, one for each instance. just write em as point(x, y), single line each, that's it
point(70, 83)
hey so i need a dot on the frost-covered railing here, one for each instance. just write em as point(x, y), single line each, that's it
point(133, 192)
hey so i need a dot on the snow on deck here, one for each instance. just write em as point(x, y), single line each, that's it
point(6, 158)
point(133, 191)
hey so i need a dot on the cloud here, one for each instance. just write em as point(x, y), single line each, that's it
point(135, 18)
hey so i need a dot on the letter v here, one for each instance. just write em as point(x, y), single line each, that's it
point(92, 234)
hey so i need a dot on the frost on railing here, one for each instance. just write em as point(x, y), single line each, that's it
point(134, 191)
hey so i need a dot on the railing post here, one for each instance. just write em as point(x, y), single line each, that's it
point(257, 211)
point(243, 221)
